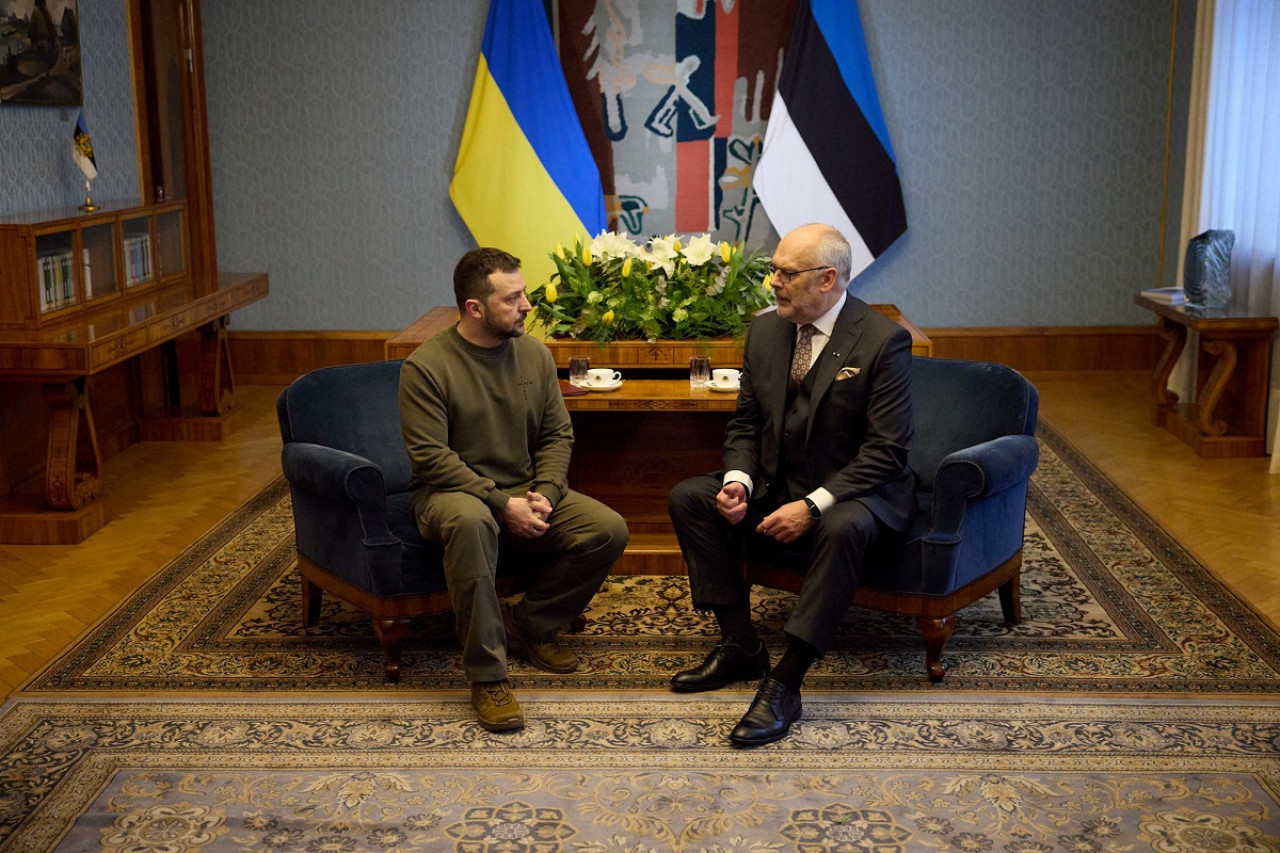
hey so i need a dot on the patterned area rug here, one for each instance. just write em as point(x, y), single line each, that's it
point(1038, 741)
point(645, 774)
point(1111, 604)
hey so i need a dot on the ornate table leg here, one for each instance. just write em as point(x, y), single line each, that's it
point(1175, 337)
point(217, 383)
point(1211, 392)
point(74, 464)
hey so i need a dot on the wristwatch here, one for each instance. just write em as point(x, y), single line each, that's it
point(814, 512)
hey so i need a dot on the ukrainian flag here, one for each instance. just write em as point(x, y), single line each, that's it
point(525, 178)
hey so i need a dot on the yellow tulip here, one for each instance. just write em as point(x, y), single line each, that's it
point(559, 250)
point(551, 293)
point(586, 256)
point(726, 251)
point(608, 316)
point(626, 268)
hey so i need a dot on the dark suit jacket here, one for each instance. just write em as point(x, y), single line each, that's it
point(861, 423)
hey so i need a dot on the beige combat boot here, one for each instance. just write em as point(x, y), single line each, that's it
point(496, 706)
point(548, 655)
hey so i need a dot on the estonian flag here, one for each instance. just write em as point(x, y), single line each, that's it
point(827, 156)
point(525, 179)
point(82, 149)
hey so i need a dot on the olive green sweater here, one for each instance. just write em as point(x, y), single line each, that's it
point(487, 422)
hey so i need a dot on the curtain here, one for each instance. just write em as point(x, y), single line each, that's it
point(1235, 116)
point(1241, 182)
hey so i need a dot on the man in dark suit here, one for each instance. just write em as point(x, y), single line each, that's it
point(815, 471)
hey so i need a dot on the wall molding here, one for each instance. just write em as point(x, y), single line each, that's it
point(277, 358)
point(1029, 348)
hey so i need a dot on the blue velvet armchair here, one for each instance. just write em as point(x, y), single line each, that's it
point(349, 479)
point(974, 452)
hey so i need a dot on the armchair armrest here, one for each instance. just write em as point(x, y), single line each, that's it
point(343, 477)
point(977, 472)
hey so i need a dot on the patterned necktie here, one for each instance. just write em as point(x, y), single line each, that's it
point(804, 355)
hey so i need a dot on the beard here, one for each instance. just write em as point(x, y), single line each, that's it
point(513, 329)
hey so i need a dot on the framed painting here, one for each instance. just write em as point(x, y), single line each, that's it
point(40, 53)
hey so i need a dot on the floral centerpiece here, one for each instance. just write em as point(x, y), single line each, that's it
point(614, 289)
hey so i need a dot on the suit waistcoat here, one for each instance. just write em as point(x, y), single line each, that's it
point(795, 426)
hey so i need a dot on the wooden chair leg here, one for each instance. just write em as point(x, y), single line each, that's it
point(312, 596)
point(1011, 599)
point(936, 634)
point(391, 633)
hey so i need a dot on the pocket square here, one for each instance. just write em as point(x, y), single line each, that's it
point(846, 372)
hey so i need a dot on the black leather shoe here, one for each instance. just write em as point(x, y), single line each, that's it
point(770, 716)
point(726, 663)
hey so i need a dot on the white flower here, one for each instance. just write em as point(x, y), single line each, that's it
point(663, 253)
point(700, 250)
point(611, 244)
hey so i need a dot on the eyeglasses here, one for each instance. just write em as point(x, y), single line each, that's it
point(786, 276)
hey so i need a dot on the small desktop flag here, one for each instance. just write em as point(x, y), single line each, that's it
point(826, 155)
point(82, 150)
point(524, 179)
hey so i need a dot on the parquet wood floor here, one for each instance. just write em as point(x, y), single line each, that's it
point(1224, 511)
point(165, 495)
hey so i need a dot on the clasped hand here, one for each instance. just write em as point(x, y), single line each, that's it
point(526, 517)
point(786, 524)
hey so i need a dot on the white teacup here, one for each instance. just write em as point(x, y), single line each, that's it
point(725, 376)
point(604, 376)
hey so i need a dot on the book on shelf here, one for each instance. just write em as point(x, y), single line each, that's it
point(57, 287)
point(1170, 295)
point(137, 259)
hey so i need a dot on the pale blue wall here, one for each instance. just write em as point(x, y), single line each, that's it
point(1030, 143)
point(1029, 137)
point(333, 131)
point(36, 169)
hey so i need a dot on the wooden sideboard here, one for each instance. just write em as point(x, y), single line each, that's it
point(632, 445)
point(1228, 417)
point(64, 356)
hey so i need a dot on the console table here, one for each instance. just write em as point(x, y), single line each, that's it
point(64, 356)
point(632, 445)
point(1228, 418)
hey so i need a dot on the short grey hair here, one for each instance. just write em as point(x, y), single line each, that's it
point(833, 251)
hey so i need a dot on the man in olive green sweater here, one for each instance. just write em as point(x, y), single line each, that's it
point(489, 439)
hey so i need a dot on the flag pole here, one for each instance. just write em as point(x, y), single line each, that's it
point(88, 205)
point(82, 153)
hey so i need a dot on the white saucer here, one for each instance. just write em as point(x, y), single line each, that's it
point(716, 386)
point(594, 386)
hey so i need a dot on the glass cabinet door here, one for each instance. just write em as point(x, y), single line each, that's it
point(55, 270)
point(98, 276)
point(139, 257)
point(171, 258)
